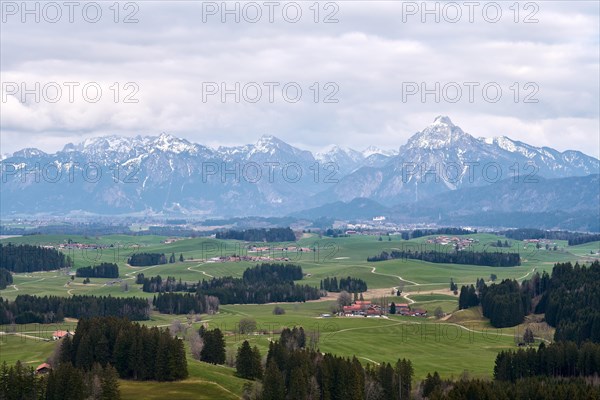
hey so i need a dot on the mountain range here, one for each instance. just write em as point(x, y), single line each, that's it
point(166, 175)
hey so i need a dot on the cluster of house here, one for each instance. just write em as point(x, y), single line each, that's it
point(246, 258)
point(406, 310)
point(45, 368)
point(267, 249)
point(540, 241)
point(172, 240)
point(81, 246)
point(461, 243)
point(363, 308)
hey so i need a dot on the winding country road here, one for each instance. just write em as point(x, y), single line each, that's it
point(203, 272)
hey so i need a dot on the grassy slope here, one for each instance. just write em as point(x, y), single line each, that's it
point(431, 346)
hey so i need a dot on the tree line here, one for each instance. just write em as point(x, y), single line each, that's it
point(559, 359)
point(569, 298)
point(349, 284)
point(259, 235)
point(571, 302)
point(136, 351)
point(5, 278)
point(573, 238)
point(146, 259)
point(26, 309)
point(214, 349)
point(493, 259)
point(500, 243)
point(273, 272)
point(434, 388)
point(103, 270)
point(230, 290)
point(417, 233)
point(260, 284)
point(505, 304)
point(468, 297)
point(19, 382)
point(185, 303)
point(295, 372)
point(29, 258)
point(561, 370)
point(156, 284)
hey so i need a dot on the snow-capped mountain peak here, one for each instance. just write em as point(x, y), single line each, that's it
point(442, 133)
point(170, 143)
point(442, 120)
point(336, 152)
point(169, 172)
point(369, 151)
point(29, 152)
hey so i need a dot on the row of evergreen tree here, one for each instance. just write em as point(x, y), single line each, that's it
point(30, 258)
point(103, 270)
point(294, 372)
point(26, 309)
point(5, 278)
point(559, 359)
point(259, 235)
point(19, 382)
point(273, 273)
point(185, 303)
point(136, 351)
point(571, 302)
point(156, 284)
point(434, 388)
point(260, 284)
point(230, 290)
point(146, 259)
point(505, 304)
point(349, 284)
point(468, 297)
point(492, 259)
point(569, 298)
point(214, 349)
point(417, 233)
point(260, 274)
point(573, 238)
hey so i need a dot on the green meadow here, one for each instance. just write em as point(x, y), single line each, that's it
point(461, 342)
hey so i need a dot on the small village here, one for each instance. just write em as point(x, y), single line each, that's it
point(365, 308)
point(459, 243)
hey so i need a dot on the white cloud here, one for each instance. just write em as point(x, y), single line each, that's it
point(368, 54)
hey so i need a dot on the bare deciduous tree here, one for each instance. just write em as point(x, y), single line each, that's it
point(196, 344)
point(344, 299)
point(247, 326)
point(177, 327)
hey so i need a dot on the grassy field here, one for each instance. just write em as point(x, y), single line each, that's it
point(463, 342)
point(334, 257)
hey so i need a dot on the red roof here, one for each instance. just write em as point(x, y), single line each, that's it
point(362, 302)
point(354, 307)
point(60, 334)
point(43, 366)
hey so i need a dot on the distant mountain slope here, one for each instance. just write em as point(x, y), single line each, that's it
point(443, 157)
point(167, 175)
point(573, 194)
point(564, 203)
point(355, 209)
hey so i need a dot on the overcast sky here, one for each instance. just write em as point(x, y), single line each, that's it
point(371, 61)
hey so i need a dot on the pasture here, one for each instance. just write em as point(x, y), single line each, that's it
point(464, 341)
